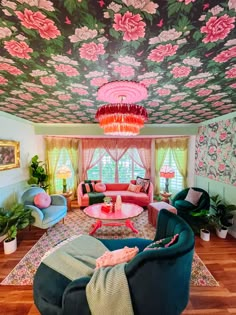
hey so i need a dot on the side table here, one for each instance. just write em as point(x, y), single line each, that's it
point(67, 195)
point(165, 196)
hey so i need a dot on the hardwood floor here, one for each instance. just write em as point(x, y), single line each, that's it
point(219, 256)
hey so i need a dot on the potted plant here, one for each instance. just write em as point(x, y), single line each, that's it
point(17, 218)
point(203, 222)
point(221, 215)
point(38, 174)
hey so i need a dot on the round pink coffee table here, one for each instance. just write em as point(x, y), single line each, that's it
point(128, 210)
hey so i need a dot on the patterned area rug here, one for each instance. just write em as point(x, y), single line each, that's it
point(77, 222)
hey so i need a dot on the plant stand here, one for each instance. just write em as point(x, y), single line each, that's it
point(205, 235)
point(10, 247)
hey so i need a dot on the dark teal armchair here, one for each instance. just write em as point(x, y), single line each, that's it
point(158, 280)
point(185, 208)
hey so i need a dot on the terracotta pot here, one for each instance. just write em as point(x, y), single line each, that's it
point(205, 235)
point(10, 247)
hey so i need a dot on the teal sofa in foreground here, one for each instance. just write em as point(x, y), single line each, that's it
point(158, 280)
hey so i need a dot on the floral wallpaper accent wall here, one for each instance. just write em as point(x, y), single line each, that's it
point(216, 151)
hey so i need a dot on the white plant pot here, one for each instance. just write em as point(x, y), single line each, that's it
point(10, 247)
point(205, 235)
point(222, 233)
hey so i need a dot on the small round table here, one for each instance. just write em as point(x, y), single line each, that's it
point(117, 218)
point(67, 195)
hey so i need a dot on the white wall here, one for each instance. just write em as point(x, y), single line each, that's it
point(13, 180)
point(191, 160)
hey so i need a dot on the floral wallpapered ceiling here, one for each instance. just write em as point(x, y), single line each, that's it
point(216, 151)
point(54, 55)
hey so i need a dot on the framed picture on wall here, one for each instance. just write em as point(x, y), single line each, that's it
point(9, 154)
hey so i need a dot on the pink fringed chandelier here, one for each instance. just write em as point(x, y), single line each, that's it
point(122, 117)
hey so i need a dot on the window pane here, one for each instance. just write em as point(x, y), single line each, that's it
point(176, 183)
point(105, 169)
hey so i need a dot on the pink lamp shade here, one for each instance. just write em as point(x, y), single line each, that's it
point(167, 172)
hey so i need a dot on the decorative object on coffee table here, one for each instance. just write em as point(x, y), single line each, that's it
point(117, 218)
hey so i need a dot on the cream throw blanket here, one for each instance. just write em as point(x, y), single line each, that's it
point(108, 291)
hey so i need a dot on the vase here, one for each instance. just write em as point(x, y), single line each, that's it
point(205, 235)
point(118, 203)
point(10, 246)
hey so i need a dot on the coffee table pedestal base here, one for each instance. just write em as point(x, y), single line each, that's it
point(98, 224)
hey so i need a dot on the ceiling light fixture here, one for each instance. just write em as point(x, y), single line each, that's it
point(122, 117)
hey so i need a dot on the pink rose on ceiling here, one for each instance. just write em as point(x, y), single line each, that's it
point(187, 1)
point(217, 28)
point(179, 72)
point(131, 25)
point(67, 69)
point(176, 98)
point(158, 54)
point(88, 104)
point(226, 55)
point(48, 81)
point(3, 81)
point(213, 98)
point(98, 81)
point(79, 91)
point(186, 104)
point(26, 96)
point(1, 91)
point(144, 5)
point(195, 82)
point(18, 49)
point(10, 69)
point(217, 104)
point(231, 73)
point(91, 51)
point(124, 71)
point(233, 85)
point(204, 92)
point(36, 90)
point(39, 22)
point(148, 82)
point(64, 97)
point(43, 107)
point(163, 92)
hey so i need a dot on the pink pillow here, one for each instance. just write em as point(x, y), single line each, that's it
point(193, 196)
point(42, 200)
point(135, 188)
point(100, 187)
point(116, 257)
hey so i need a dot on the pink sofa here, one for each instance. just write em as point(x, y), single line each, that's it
point(113, 189)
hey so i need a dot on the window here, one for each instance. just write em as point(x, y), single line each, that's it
point(105, 168)
point(176, 183)
point(63, 159)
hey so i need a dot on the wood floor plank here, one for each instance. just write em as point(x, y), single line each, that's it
point(218, 255)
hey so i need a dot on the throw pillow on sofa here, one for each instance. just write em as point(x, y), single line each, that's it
point(163, 243)
point(134, 188)
point(193, 196)
point(144, 182)
point(87, 188)
point(42, 200)
point(100, 187)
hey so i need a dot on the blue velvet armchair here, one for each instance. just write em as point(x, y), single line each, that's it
point(47, 217)
point(158, 280)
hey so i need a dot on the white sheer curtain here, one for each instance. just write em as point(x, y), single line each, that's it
point(88, 149)
point(144, 154)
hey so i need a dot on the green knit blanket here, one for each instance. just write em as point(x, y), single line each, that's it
point(108, 288)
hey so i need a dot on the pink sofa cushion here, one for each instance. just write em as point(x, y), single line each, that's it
point(112, 258)
point(42, 200)
point(193, 196)
point(100, 187)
